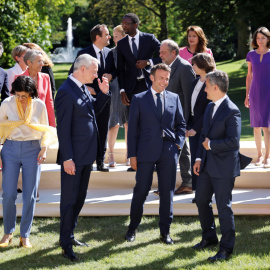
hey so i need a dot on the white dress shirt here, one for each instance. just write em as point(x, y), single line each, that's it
point(161, 97)
point(97, 50)
point(195, 94)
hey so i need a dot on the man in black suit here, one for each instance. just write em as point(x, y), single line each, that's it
point(217, 164)
point(135, 54)
point(100, 37)
point(3, 79)
point(181, 78)
point(78, 139)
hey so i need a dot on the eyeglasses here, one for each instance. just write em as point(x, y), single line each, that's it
point(21, 97)
point(126, 23)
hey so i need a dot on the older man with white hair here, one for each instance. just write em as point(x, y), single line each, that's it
point(78, 140)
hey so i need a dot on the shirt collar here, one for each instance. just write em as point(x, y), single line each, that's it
point(97, 50)
point(170, 65)
point(155, 92)
point(218, 102)
point(136, 36)
point(78, 83)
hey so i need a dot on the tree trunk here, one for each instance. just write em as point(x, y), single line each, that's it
point(163, 22)
point(243, 38)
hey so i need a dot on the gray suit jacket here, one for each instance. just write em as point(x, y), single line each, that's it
point(181, 78)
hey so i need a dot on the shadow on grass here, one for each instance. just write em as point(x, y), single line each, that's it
point(108, 232)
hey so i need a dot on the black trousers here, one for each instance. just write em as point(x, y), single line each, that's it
point(103, 128)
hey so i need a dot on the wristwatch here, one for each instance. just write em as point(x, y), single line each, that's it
point(148, 63)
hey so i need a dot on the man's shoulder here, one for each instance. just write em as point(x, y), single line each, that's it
point(182, 62)
point(122, 41)
point(87, 50)
point(142, 94)
point(232, 106)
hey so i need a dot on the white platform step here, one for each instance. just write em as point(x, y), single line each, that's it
point(115, 202)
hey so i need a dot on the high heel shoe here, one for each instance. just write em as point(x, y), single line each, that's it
point(111, 163)
point(260, 161)
point(5, 244)
point(22, 245)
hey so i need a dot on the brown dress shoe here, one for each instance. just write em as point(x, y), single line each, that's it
point(183, 190)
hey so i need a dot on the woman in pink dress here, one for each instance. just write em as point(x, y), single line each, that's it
point(197, 43)
point(258, 92)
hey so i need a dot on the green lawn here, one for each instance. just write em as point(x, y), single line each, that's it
point(237, 74)
point(108, 250)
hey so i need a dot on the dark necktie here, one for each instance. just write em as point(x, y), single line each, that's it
point(159, 105)
point(211, 111)
point(85, 91)
point(101, 61)
point(134, 48)
point(135, 52)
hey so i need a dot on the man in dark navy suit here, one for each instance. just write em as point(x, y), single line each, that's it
point(3, 79)
point(135, 54)
point(217, 165)
point(100, 37)
point(155, 136)
point(78, 139)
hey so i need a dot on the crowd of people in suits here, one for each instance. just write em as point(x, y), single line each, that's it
point(163, 95)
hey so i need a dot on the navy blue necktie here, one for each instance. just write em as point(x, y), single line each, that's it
point(134, 48)
point(211, 112)
point(159, 105)
point(101, 61)
point(135, 52)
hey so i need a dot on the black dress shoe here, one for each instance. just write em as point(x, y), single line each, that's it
point(165, 238)
point(69, 254)
point(130, 235)
point(130, 169)
point(220, 256)
point(75, 242)
point(102, 168)
point(205, 243)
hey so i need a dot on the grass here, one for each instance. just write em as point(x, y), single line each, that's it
point(108, 250)
point(237, 74)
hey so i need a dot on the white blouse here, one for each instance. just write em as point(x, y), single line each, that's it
point(195, 94)
point(8, 111)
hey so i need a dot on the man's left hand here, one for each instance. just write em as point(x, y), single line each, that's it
point(205, 144)
point(133, 163)
point(104, 85)
point(108, 76)
point(141, 64)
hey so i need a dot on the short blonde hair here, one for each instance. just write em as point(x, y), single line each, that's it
point(119, 29)
point(34, 46)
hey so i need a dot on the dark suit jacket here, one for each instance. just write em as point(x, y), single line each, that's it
point(3, 84)
point(109, 64)
point(199, 109)
point(145, 138)
point(224, 132)
point(181, 78)
point(76, 123)
point(126, 61)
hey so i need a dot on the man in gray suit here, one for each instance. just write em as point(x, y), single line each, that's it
point(181, 78)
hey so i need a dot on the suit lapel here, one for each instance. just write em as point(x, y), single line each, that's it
point(218, 111)
point(152, 103)
point(126, 40)
point(82, 96)
point(141, 44)
point(200, 94)
point(174, 66)
point(165, 104)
